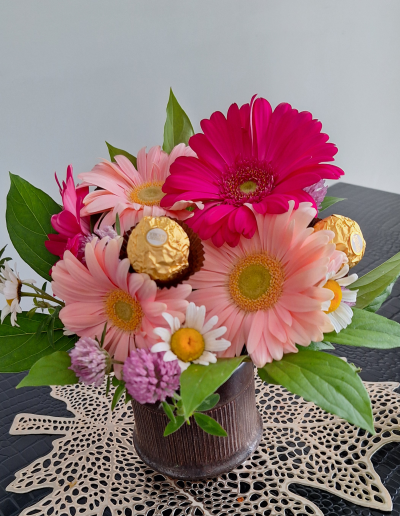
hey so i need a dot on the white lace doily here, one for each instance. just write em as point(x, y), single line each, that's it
point(94, 464)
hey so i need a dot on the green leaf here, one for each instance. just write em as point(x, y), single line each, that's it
point(2, 250)
point(21, 347)
point(117, 224)
point(169, 410)
point(103, 335)
point(368, 330)
point(50, 332)
point(176, 396)
point(174, 426)
point(179, 408)
point(119, 152)
point(177, 128)
point(209, 403)
point(315, 346)
point(117, 382)
point(209, 425)
point(329, 201)
point(43, 326)
point(128, 398)
point(5, 259)
point(31, 312)
point(119, 391)
point(374, 283)
point(28, 215)
point(379, 300)
point(198, 382)
point(326, 380)
point(50, 370)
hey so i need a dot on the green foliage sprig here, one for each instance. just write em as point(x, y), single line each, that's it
point(21, 346)
point(177, 128)
point(114, 151)
point(28, 217)
point(205, 422)
point(329, 201)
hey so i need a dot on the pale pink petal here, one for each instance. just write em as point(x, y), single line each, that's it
point(86, 292)
point(148, 291)
point(297, 315)
point(256, 330)
point(135, 281)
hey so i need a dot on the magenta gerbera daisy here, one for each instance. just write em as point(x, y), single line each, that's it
point(71, 226)
point(253, 157)
point(106, 292)
point(267, 291)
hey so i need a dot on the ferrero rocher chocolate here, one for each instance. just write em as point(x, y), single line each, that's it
point(159, 247)
point(348, 237)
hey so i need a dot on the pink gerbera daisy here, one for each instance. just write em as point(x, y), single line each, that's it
point(133, 193)
point(265, 290)
point(105, 292)
point(253, 157)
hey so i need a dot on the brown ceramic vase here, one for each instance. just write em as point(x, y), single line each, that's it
point(192, 454)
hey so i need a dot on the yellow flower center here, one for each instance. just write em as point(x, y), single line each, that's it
point(149, 194)
point(256, 282)
point(337, 291)
point(123, 311)
point(248, 187)
point(9, 301)
point(187, 344)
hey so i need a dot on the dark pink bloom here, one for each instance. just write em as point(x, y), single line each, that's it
point(89, 362)
point(148, 378)
point(254, 159)
point(71, 227)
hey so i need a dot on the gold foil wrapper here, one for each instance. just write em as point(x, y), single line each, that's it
point(348, 236)
point(159, 247)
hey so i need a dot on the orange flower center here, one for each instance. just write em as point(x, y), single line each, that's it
point(187, 344)
point(256, 282)
point(123, 311)
point(149, 194)
point(337, 292)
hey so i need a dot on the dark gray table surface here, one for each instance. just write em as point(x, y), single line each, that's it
point(378, 214)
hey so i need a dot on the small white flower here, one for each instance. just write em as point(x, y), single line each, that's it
point(339, 308)
point(193, 342)
point(10, 286)
point(68, 333)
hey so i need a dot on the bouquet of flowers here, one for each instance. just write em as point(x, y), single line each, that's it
point(170, 269)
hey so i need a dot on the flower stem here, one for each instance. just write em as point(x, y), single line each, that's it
point(43, 295)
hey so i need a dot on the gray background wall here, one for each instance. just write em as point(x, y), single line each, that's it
point(76, 73)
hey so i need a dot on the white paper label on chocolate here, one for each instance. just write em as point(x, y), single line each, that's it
point(357, 243)
point(156, 237)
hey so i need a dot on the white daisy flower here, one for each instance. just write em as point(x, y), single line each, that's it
point(339, 308)
point(193, 342)
point(10, 286)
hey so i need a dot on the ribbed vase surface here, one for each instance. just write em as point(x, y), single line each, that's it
point(190, 453)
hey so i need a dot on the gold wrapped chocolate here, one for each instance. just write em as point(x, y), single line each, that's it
point(348, 237)
point(159, 247)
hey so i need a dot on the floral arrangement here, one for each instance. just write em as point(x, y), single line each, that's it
point(170, 269)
